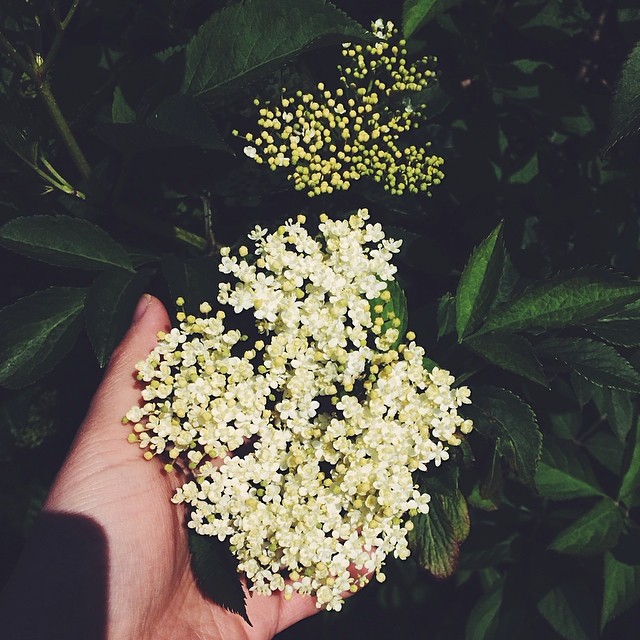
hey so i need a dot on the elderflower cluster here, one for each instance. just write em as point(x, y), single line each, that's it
point(330, 139)
point(303, 440)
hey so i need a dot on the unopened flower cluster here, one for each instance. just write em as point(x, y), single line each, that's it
point(304, 439)
point(329, 139)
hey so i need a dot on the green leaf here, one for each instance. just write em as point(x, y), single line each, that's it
point(569, 609)
point(625, 109)
point(503, 416)
point(436, 536)
point(594, 532)
point(628, 493)
point(510, 352)
point(446, 315)
point(416, 13)
point(110, 303)
point(529, 67)
point(557, 20)
point(621, 588)
point(37, 332)
point(251, 38)
point(194, 280)
point(121, 112)
point(479, 282)
point(64, 241)
point(560, 484)
point(617, 408)
point(607, 450)
point(187, 119)
point(483, 618)
point(527, 172)
point(570, 298)
point(393, 311)
point(621, 331)
point(216, 571)
point(597, 362)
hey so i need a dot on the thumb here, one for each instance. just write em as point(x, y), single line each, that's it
point(119, 389)
point(101, 441)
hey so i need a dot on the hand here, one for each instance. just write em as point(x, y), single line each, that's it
point(109, 556)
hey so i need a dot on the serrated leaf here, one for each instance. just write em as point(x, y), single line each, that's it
point(110, 303)
point(569, 298)
point(625, 109)
point(617, 408)
point(483, 618)
point(194, 280)
point(594, 532)
point(64, 241)
point(187, 119)
point(607, 450)
point(503, 416)
point(36, 332)
point(583, 389)
point(597, 362)
point(508, 282)
point(121, 112)
point(479, 282)
point(417, 13)
point(623, 332)
point(510, 352)
point(216, 572)
point(436, 536)
point(628, 493)
point(560, 484)
point(446, 315)
point(244, 40)
point(621, 588)
point(569, 609)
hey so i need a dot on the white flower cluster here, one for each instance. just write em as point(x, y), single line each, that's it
point(302, 443)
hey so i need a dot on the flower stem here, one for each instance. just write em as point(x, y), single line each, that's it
point(16, 57)
point(63, 128)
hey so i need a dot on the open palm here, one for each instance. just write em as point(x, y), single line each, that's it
point(136, 536)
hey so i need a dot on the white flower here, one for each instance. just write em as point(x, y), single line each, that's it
point(250, 151)
point(302, 442)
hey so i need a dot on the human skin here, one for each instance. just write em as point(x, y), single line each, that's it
point(109, 555)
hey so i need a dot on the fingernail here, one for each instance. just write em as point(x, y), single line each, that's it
point(141, 307)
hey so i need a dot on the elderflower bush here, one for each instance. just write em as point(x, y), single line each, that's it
point(330, 139)
point(303, 440)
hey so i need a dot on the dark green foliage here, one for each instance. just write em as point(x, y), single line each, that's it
point(216, 569)
point(246, 40)
point(521, 273)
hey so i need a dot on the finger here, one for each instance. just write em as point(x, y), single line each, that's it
point(119, 389)
point(297, 608)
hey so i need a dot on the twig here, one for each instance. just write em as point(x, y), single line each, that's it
point(17, 58)
point(61, 26)
point(72, 10)
point(63, 128)
point(208, 220)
